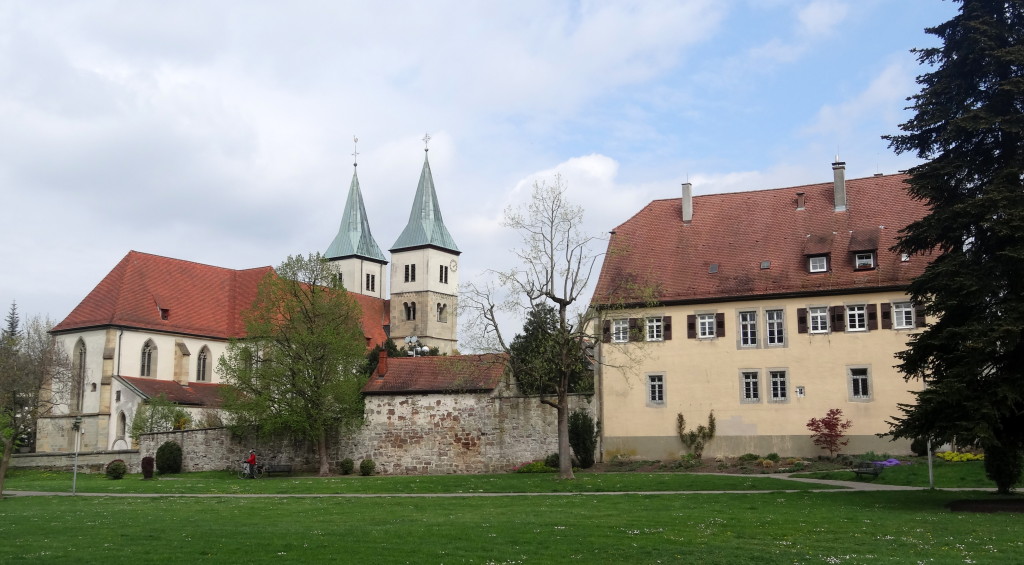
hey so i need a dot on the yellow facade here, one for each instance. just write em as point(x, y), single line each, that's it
point(700, 375)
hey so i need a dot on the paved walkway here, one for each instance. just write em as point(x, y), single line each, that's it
point(844, 486)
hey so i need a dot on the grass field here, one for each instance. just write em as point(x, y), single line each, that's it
point(767, 528)
point(222, 482)
point(963, 474)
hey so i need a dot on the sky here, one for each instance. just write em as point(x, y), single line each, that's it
point(222, 132)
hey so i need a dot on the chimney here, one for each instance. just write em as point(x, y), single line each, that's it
point(382, 364)
point(687, 203)
point(839, 179)
point(799, 201)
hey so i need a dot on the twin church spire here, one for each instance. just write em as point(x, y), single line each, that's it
point(423, 303)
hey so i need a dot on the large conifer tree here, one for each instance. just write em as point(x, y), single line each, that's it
point(969, 129)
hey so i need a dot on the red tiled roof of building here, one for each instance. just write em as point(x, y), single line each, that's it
point(195, 394)
point(200, 300)
point(654, 256)
point(439, 374)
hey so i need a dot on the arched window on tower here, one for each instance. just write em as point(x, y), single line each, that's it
point(78, 376)
point(147, 367)
point(410, 310)
point(442, 312)
point(203, 365)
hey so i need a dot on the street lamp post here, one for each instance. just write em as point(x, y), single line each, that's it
point(75, 427)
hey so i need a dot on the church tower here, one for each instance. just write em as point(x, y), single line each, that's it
point(424, 273)
point(354, 254)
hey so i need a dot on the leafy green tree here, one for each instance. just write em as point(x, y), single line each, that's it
point(969, 128)
point(302, 365)
point(35, 378)
point(536, 357)
point(158, 415)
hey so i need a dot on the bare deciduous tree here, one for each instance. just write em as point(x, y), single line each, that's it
point(555, 266)
point(35, 378)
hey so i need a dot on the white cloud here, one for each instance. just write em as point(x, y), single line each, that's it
point(821, 16)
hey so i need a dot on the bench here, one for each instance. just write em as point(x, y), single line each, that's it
point(868, 468)
point(276, 468)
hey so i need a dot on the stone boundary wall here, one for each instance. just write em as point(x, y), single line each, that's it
point(404, 434)
point(88, 462)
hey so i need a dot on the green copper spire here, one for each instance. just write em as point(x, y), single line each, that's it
point(425, 227)
point(354, 237)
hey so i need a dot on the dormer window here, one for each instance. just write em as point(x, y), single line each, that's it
point(817, 263)
point(864, 260)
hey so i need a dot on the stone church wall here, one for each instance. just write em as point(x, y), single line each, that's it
point(405, 435)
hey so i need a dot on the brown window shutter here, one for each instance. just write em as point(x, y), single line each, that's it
point(919, 317)
point(691, 326)
point(872, 317)
point(720, 324)
point(838, 318)
point(886, 316)
point(606, 331)
point(666, 327)
point(801, 320)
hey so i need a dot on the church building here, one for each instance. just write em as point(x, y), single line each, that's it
point(156, 326)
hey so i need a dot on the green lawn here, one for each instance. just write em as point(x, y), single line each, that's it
point(767, 528)
point(222, 482)
point(963, 474)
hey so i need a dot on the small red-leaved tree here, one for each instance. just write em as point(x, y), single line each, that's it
point(830, 432)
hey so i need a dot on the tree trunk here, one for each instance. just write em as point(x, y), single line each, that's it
point(5, 462)
point(321, 446)
point(564, 451)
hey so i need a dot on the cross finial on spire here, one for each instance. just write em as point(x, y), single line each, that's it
point(355, 151)
point(426, 142)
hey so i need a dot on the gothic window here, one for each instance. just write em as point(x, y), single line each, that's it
point(122, 425)
point(148, 364)
point(203, 365)
point(78, 373)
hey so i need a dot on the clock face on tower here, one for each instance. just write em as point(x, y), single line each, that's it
point(454, 265)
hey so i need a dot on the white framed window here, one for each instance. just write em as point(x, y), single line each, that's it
point(860, 383)
point(865, 260)
point(655, 328)
point(620, 331)
point(656, 390)
point(817, 264)
point(818, 319)
point(410, 273)
point(371, 283)
point(774, 330)
point(705, 326)
point(856, 318)
point(748, 329)
point(903, 315)
point(750, 387)
point(779, 383)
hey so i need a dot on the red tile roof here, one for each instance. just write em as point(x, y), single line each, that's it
point(442, 374)
point(195, 394)
point(200, 300)
point(655, 252)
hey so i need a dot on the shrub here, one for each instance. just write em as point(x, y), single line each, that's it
point(552, 460)
point(956, 456)
point(1003, 464)
point(696, 440)
point(347, 465)
point(535, 467)
point(116, 469)
point(367, 467)
point(829, 433)
point(583, 437)
point(919, 447)
point(168, 458)
point(773, 457)
point(147, 467)
point(749, 457)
